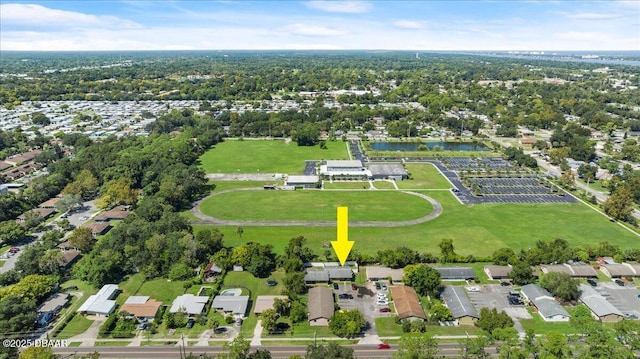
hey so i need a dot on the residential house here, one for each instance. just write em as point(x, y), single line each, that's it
point(231, 304)
point(141, 307)
point(101, 304)
point(548, 308)
point(459, 304)
point(264, 302)
point(189, 304)
point(379, 273)
point(321, 306)
point(456, 273)
point(407, 303)
point(600, 308)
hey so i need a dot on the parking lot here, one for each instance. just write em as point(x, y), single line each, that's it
point(482, 164)
point(624, 298)
point(310, 168)
point(364, 299)
point(495, 296)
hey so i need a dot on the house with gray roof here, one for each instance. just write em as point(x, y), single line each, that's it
point(459, 304)
point(377, 273)
point(600, 308)
point(546, 305)
point(231, 304)
point(189, 303)
point(327, 274)
point(320, 306)
point(456, 273)
point(575, 271)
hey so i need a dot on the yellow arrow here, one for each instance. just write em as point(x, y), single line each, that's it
point(343, 245)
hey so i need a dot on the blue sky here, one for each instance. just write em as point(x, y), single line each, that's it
point(376, 24)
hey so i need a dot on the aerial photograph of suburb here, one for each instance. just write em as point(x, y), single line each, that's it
point(319, 179)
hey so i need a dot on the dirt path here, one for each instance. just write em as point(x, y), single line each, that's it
point(208, 220)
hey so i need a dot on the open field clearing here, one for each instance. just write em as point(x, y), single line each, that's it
point(424, 176)
point(477, 230)
point(267, 156)
point(315, 205)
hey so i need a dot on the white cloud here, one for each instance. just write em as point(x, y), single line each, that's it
point(591, 16)
point(43, 17)
point(312, 30)
point(408, 24)
point(350, 7)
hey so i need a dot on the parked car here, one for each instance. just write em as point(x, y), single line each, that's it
point(73, 287)
point(354, 287)
point(592, 282)
point(382, 302)
point(606, 294)
point(143, 326)
point(384, 287)
point(385, 310)
point(238, 322)
point(619, 282)
point(505, 284)
point(630, 316)
point(384, 346)
point(378, 286)
point(345, 296)
point(336, 286)
point(190, 323)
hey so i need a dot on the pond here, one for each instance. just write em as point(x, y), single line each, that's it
point(438, 145)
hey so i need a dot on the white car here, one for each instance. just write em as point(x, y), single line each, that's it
point(382, 302)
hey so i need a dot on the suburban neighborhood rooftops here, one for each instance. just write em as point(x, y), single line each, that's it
point(320, 303)
point(189, 303)
point(264, 302)
point(621, 270)
point(407, 303)
point(543, 301)
point(456, 273)
point(458, 302)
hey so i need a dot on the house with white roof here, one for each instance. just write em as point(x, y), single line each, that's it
point(101, 304)
point(189, 303)
point(545, 304)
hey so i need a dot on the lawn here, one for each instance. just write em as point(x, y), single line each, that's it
point(267, 156)
point(79, 324)
point(316, 205)
point(539, 326)
point(383, 185)
point(424, 176)
point(162, 290)
point(387, 327)
point(475, 229)
point(112, 343)
point(129, 287)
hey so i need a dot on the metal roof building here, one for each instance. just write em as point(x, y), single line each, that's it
point(600, 308)
point(231, 304)
point(320, 306)
point(549, 309)
point(101, 303)
point(456, 273)
point(391, 171)
point(189, 303)
point(459, 304)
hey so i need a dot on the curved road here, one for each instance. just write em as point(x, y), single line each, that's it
point(208, 220)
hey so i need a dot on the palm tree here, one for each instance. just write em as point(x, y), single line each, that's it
point(240, 230)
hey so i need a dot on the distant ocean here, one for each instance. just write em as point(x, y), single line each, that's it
point(629, 58)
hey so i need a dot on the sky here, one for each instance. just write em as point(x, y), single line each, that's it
point(503, 25)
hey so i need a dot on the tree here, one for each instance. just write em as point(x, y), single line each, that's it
point(298, 312)
point(85, 185)
point(567, 180)
point(269, 320)
point(11, 232)
point(447, 251)
point(260, 354)
point(81, 238)
point(51, 262)
point(17, 315)
point(306, 135)
point(561, 285)
point(118, 192)
point(490, 320)
point(33, 352)
point(294, 284)
point(627, 332)
point(331, 350)
point(180, 271)
point(521, 273)
point(238, 349)
point(474, 348)
point(620, 204)
point(503, 256)
point(348, 323)
point(67, 202)
point(417, 346)
point(239, 231)
point(440, 313)
point(424, 279)
point(281, 306)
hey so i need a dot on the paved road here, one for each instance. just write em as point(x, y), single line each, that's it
point(208, 220)
point(360, 351)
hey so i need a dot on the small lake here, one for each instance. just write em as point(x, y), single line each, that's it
point(413, 146)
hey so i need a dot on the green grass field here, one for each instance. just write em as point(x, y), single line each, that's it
point(267, 156)
point(162, 290)
point(383, 185)
point(316, 205)
point(78, 325)
point(424, 176)
point(478, 230)
point(347, 185)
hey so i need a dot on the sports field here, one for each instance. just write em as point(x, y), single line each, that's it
point(316, 205)
point(265, 156)
point(477, 229)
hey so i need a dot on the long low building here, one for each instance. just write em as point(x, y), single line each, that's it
point(377, 273)
point(303, 181)
point(456, 273)
point(575, 271)
point(619, 270)
point(321, 306)
point(189, 303)
point(600, 308)
point(394, 172)
point(327, 274)
point(231, 304)
point(101, 304)
point(548, 308)
point(459, 304)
